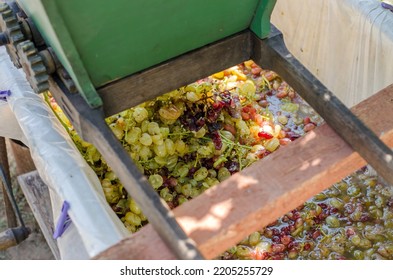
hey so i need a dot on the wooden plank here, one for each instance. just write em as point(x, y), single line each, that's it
point(7, 239)
point(37, 195)
point(22, 157)
point(175, 73)
point(9, 211)
point(253, 198)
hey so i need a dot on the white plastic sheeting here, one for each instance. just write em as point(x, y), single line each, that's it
point(346, 44)
point(95, 226)
point(9, 126)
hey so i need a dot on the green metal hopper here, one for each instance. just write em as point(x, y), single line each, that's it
point(100, 41)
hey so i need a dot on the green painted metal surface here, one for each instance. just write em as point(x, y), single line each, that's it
point(260, 24)
point(99, 41)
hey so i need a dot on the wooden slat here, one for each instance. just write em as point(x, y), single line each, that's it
point(177, 72)
point(37, 195)
point(253, 198)
point(9, 211)
point(22, 157)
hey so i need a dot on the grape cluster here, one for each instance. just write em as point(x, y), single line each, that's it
point(197, 136)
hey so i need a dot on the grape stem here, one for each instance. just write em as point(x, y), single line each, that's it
point(319, 227)
point(240, 162)
point(230, 142)
point(267, 83)
point(196, 160)
point(188, 133)
point(232, 145)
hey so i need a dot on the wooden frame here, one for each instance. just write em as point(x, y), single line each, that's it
point(177, 72)
point(270, 53)
point(178, 228)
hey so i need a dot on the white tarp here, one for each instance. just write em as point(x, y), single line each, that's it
point(346, 44)
point(95, 226)
point(9, 126)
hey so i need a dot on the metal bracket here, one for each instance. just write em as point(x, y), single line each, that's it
point(261, 22)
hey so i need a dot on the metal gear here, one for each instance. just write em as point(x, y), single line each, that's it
point(10, 26)
point(33, 66)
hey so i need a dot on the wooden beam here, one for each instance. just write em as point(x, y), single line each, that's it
point(253, 198)
point(175, 73)
point(9, 210)
point(22, 157)
point(37, 195)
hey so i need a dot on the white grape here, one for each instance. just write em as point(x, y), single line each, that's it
point(140, 114)
point(145, 153)
point(200, 133)
point(156, 180)
point(160, 160)
point(118, 131)
point(153, 128)
point(181, 147)
point(201, 174)
point(145, 139)
point(170, 146)
point(157, 139)
point(160, 150)
point(133, 135)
